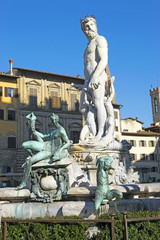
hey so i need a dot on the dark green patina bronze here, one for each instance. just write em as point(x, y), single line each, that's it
point(103, 191)
point(55, 150)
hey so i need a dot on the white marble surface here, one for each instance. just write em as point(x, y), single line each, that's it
point(11, 193)
point(92, 97)
point(35, 210)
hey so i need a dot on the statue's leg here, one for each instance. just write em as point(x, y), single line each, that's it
point(29, 151)
point(118, 195)
point(109, 133)
point(98, 96)
point(91, 120)
point(26, 175)
point(84, 132)
point(82, 106)
point(98, 200)
point(40, 156)
point(33, 145)
point(36, 158)
point(59, 154)
point(101, 117)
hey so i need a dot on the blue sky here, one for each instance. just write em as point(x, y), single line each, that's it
point(46, 36)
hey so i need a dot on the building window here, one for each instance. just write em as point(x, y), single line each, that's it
point(11, 115)
point(134, 157)
point(155, 157)
point(147, 158)
point(5, 169)
point(116, 128)
point(1, 114)
point(55, 100)
point(151, 144)
point(76, 105)
point(152, 158)
point(74, 102)
point(155, 105)
point(5, 184)
point(33, 97)
point(142, 143)
point(142, 157)
point(11, 142)
point(153, 179)
point(154, 169)
point(116, 115)
point(133, 142)
point(11, 92)
point(75, 136)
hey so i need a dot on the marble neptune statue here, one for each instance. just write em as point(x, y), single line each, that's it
point(95, 102)
point(95, 63)
point(38, 149)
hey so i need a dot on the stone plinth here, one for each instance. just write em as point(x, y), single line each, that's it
point(47, 210)
point(130, 191)
point(10, 194)
point(79, 201)
point(140, 204)
point(121, 171)
point(50, 181)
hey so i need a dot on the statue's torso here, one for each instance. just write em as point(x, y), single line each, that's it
point(90, 61)
point(56, 140)
point(102, 181)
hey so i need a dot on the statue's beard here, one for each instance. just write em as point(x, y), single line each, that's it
point(91, 34)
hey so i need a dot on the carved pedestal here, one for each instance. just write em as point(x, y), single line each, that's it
point(49, 182)
point(121, 171)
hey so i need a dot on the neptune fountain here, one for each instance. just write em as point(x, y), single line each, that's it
point(62, 178)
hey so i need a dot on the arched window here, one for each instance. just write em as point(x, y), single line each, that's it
point(156, 105)
point(11, 112)
point(11, 136)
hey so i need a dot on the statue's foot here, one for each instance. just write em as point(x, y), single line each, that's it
point(96, 139)
point(54, 159)
point(22, 185)
point(98, 136)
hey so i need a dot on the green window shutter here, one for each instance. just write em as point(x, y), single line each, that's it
point(0, 91)
point(16, 92)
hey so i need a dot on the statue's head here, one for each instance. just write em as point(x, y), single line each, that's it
point(104, 162)
point(54, 118)
point(100, 162)
point(89, 27)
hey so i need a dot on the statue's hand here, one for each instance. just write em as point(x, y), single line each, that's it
point(94, 83)
point(112, 79)
point(86, 103)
